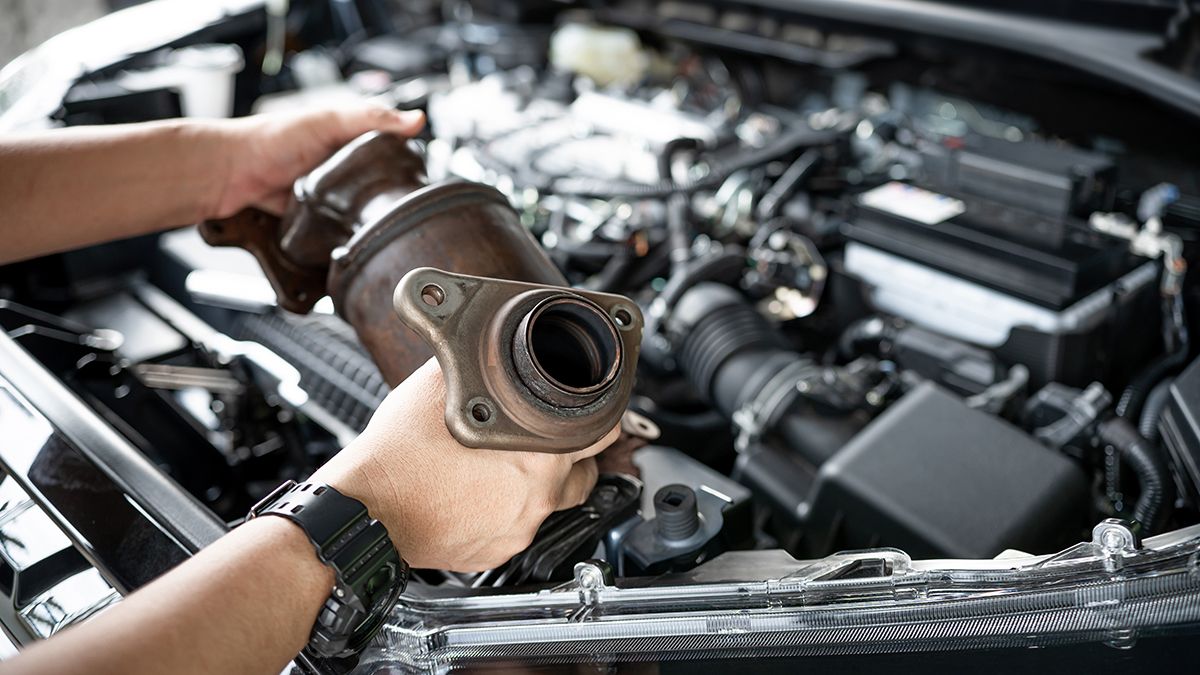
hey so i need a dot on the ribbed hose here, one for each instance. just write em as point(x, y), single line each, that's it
point(1154, 477)
point(724, 265)
point(1134, 396)
point(729, 328)
point(1156, 402)
point(1175, 337)
point(742, 364)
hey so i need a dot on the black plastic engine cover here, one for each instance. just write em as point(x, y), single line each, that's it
point(936, 478)
point(1180, 426)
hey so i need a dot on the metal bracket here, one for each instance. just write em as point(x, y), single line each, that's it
point(297, 287)
point(591, 578)
point(527, 366)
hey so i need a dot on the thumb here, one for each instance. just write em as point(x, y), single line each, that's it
point(354, 122)
point(579, 483)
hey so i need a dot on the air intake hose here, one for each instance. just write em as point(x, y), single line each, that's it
point(744, 367)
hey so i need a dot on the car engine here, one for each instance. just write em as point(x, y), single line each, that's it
point(897, 294)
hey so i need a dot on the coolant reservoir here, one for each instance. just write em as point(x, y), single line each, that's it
point(606, 55)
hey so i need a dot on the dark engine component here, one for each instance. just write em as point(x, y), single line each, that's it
point(145, 380)
point(977, 251)
point(908, 477)
point(1048, 184)
point(1065, 418)
point(699, 514)
point(673, 534)
point(743, 365)
point(937, 478)
point(773, 395)
point(1180, 425)
point(991, 246)
point(568, 536)
point(964, 369)
point(335, 370)
point(1157, 489)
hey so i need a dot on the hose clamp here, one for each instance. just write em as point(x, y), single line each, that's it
point(759, 414)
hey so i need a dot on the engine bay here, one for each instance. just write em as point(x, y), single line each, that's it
point(896, 294)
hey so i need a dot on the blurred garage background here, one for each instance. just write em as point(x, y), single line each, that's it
point(27, 23)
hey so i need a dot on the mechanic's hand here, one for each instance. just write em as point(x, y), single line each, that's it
point(267, 153)
point(447, 506)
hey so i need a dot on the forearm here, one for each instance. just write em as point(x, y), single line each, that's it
point(73, 187)
point(246, 604)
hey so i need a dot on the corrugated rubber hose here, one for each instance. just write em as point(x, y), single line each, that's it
point(1154, 477)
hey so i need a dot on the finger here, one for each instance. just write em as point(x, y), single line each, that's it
point(355, 122)
point(579, 484)
point(275, 203)
point(597, 447)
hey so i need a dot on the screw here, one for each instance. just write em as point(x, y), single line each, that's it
point(1114, 536)
point(590, 577)
point(1112, 540)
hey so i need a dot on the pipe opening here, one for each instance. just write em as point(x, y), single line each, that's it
point(567, 351)
point(573, 345)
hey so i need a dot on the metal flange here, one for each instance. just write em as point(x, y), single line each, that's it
point(527, 366)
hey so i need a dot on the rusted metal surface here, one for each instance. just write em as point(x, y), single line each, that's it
point(347, 193)
point(297, 287)
point(459, 227)
point(363, 219)
point(527, 366)
point(546, 367)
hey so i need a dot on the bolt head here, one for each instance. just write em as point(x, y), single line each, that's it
point(590, 577)
point(1112, 540)
point(1114, 536)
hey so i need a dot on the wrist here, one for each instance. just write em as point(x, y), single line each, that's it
point(289, 544)
point(369, 574)
point(225, 157)
point(282, 549)
point(205, 157)
point(353, 473)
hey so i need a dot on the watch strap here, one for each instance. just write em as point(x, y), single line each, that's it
point(369, 572)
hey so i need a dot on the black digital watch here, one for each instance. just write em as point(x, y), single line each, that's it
point(370, 573)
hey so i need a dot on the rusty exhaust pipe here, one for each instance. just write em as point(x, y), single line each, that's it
point(527, 366)
point(545, 365)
